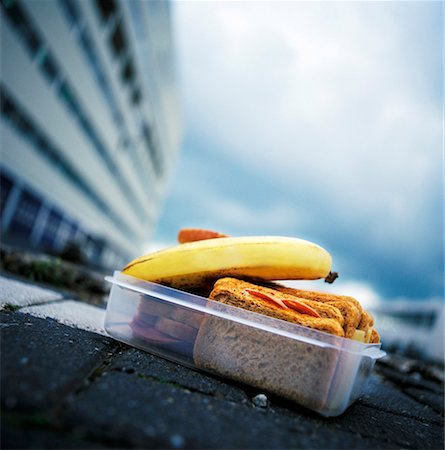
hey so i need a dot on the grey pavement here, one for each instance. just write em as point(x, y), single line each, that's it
point(14, 293)
point(66, 387)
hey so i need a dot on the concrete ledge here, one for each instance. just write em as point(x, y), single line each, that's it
point(72, 313)
point(17, 294)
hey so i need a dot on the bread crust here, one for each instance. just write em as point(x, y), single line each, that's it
point(233, 292)
point(355, 317)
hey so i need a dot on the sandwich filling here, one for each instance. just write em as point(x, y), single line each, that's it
point(339, 315)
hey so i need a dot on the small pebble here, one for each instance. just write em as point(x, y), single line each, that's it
point(260, 401)
point(24, 360)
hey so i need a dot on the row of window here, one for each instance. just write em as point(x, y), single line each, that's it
point(34, 223)
point(109, 14)
point(151, 146)
point(30, 131)
point(148, 135)
point(75, 20)
point(54, 74)
point(72, 13)
point(108, 11)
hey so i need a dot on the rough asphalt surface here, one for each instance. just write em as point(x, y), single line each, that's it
point(64, 387)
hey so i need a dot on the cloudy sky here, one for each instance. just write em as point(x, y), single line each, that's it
point(321, 120)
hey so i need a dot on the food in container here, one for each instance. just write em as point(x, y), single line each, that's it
point(312, 348)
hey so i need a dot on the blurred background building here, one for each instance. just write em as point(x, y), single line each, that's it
point(90, 124)
point(414, 328)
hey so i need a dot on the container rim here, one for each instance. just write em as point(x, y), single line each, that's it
point(245, 317)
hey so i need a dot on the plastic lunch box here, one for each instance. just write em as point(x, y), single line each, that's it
point(322, 372)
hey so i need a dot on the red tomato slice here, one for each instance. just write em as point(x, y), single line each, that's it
point(301, 308)
point(267, 297)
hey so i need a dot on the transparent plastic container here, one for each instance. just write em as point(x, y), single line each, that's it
point(322, 372)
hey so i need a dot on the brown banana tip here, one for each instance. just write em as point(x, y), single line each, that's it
point(332, 276)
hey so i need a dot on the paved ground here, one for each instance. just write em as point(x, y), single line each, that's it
point(65, 384)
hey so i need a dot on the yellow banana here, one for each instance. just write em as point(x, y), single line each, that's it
point(195, 264)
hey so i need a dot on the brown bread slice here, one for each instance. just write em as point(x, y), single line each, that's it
point(350, 308)
point(355, 317)
point(367, 321)
point(351, 315)
point(375, 337)
point(320, 296)
point(234, 292)
point(287, 367)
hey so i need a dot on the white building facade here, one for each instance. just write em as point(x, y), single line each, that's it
point(90, 124)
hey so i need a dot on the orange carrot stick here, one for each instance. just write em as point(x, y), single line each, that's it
point(197, 234)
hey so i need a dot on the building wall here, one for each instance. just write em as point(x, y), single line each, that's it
point(412, 326)
point(90, 124)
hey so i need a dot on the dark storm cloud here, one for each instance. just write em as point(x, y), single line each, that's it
point(320, 120)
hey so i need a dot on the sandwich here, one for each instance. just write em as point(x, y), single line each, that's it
point(315, 376)
point(338, 315)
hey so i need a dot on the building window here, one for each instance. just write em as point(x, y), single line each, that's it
point(67, 96)
point(136, 96)
point(106, 8)
point(7, 106)
point(53, 222)
point(73, 231)
point(118, 42)
point(5, 188)
point(48, 66)
point(22, 23)
point(63, 234)
point(89, 49)
point(23, 125)
point(25, 214)
point(71, 11)
point(128, 72)
point(151, 147)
